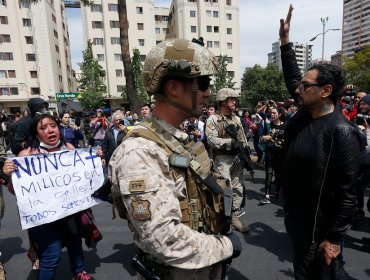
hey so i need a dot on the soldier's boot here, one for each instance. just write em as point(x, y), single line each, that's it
point(238, 225)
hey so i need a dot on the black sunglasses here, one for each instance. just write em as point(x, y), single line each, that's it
point(303, 86)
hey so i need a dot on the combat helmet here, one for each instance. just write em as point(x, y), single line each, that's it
point(176, 58)
point(224, 93)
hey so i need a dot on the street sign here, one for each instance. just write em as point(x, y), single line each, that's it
point(64, 95)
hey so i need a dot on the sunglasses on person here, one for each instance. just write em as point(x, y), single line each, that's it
point(303, 86)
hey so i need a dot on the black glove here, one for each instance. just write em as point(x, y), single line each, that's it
point(237, 246)
point(236, 145)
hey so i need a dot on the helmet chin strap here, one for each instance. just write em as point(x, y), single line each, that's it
point(194, 92)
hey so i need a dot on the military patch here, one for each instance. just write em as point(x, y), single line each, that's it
point(141, 210)
point(137, 186)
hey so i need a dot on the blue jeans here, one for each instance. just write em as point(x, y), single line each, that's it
point(49, 239)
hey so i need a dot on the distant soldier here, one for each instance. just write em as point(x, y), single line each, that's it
point(225, 147)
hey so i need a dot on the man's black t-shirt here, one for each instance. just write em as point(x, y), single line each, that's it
point(298, 164)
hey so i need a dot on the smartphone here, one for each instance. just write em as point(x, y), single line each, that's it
point(72, 121)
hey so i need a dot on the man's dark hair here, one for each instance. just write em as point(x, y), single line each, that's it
point(329, 74)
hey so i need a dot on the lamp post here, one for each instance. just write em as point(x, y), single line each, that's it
point(324, 22)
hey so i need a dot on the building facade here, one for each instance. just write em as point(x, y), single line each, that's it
point(303, 55)
point(34, 53)
point(217, 21)
point(356, 26)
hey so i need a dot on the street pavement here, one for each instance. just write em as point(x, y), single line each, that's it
point(266, 248)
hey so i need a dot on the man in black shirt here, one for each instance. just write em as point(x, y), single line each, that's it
point(321, 163)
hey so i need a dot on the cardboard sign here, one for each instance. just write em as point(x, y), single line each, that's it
point(51, 186)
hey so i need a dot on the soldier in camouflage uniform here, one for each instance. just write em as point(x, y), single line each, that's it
point(150, 175)
point(222, 148)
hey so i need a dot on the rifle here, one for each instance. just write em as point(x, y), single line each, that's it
point(244, 154)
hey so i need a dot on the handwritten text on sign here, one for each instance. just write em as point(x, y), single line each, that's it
point(52, 186)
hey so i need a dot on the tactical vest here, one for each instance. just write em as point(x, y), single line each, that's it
point(202, 209)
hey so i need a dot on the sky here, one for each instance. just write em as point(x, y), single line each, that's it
point(259, 27)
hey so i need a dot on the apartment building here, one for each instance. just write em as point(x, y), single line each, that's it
point(217, 21)
point(101, 26)
point(356, 26)
point(34, 53)
point(303, 55)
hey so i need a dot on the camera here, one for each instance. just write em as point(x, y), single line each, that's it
point(190, 128)
point(122, 122)
point(362, 116)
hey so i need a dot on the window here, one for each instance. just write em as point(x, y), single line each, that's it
point(157, 30)
point(4, 91)
point(209, 44)
point(141, 42)
point(216, 44)
point(60, 78)
point(229, 46)
point(14, 91)
point(209, 13)
point(3, 2)
point(157, 42)
point(193, 29)
point(100, 57)
point(3, 20)
point(166, 30)
point(118, 57)
point(114, 24)
point(215, 29)
point(29, 39)
point(4, 38)
point(57, 48)
point(142, 57)
point(97, 24)
point(24, 4)
point(96, 8)
point(192, 1)
point(140, 26)
point(209, 28)
point(215, 13)
point(11, 74)
point(120, 88)
point(33, 74)
point(228, 2)
point(113, 7)
point(55, 34)
point(35, 90)
point(26, 22)
point(192, 13)
point(229, 31)
point(139, 10)
point(229, 17)
point(229, 59)
point(6, 56)
point(231, 74)
point(30, 57)
point(165, 18)
point(53, 18)
point(98, 41)
point(3, 74)
point(115, 40)
point(118, 73)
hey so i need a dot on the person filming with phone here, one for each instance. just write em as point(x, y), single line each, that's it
point(70, 131)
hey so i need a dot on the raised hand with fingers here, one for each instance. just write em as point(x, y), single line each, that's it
point(285, 27)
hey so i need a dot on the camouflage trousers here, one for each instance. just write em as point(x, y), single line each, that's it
point(234, 173)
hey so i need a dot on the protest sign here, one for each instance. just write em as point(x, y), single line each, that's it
point(51, 186)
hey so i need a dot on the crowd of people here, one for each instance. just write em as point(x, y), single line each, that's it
point(186, 194)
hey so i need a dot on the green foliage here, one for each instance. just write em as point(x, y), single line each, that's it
point(357, 69)
point(222, 79)
point(139, 85)
point(262, 84)
point(92, 80)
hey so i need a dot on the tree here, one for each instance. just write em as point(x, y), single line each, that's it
point(92, 80)
point(125, 50)
point(262, 84)
point(222, 79)
point(357, 69)
point(139, 85)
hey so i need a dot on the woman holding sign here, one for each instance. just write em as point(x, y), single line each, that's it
point(46, 138)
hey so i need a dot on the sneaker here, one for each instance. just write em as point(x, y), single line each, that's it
point(82, 276)
point(241, 212)
point(264, 201)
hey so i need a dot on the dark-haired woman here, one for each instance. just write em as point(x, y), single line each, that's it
point(273, 139)
point(46, 138)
